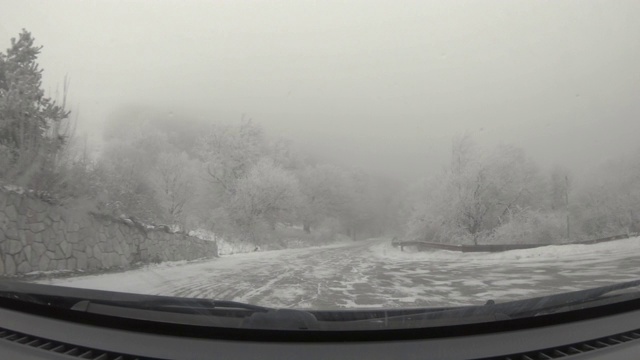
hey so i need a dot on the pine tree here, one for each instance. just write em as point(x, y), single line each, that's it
point(30, 122)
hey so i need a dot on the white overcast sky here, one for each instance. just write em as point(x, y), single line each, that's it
point(379, 84)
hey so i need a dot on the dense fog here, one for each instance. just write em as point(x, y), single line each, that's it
point(281, 123)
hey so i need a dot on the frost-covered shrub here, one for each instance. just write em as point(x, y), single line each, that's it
point(601, 220)
point(437, 229)
point(592, 224)
point(424, 225)
point(530, 227)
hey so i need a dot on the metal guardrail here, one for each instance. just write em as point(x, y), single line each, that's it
point(610, 238)
point(424, 245)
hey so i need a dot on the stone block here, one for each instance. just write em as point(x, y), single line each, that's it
point(85, 237)
point(111, 232)
point(106, 261)
point(54, 216)
point(27, 237)
point(59, 254)
point(50, 245)
point(42, 217)
point(3, 218)
point(11, 213)
point(115, 259)
point(22, 226)
point(38, 249)
point(11, 230)
point(28, 252)
point(34, 261)
point(126, 251)
point(108, 246)
point(59, 237)
point(66, 249)
point(50, 235)
point(81, 246)
point(20, 257)
point(73, 238)
point(43, 263)
point(97, 253)
point(13, 246)
point(31, 217)
point(81, 259)
point(53, 265)
point(72, 264)
point(38, 206)
point(127, 232)
point(24, 268)
point(9, 265)
point(23, 206)
point(94, 264)
point(37, 227)
point(117, 248)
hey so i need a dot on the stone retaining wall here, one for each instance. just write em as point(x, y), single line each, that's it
point(39, 236)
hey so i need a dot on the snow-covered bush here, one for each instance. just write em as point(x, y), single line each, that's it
point(530, 227)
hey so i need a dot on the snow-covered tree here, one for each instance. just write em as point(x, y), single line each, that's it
point(476, 193)
point(230, 151)
point(174, 177)
point(267, 194)
point(126, 167)
point(609, 202)
point(31, 124)
point(324, 189)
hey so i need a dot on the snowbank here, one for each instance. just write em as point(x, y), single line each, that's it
point(545, 253)
point(225, 247)
point(291, 240)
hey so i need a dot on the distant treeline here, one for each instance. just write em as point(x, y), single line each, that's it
point(235, 180)
point(500, 196)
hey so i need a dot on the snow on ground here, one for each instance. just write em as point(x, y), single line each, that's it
point(225, 247)
point(374, 274)
point(544, 253)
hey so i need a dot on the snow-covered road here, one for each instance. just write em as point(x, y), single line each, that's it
point(373, 274)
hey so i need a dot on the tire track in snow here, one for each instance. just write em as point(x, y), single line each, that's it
point(361, 274)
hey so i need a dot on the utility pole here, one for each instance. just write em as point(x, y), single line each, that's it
point(566, 201)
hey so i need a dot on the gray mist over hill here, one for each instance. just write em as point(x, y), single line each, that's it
point(380, 85)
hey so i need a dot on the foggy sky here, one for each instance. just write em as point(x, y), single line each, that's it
point(383, 85)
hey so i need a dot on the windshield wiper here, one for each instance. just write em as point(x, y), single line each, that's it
point(173, 304)
point(192, 311)
point(89, 299)
point(537, 306)
point(519, 308)
point(241, 315)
